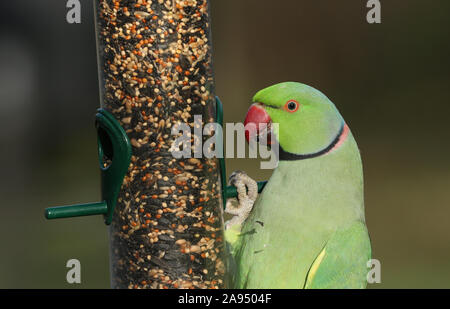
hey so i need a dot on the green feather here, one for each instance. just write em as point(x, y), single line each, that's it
point(309, 129)
point(343, 261)
point(307, 205)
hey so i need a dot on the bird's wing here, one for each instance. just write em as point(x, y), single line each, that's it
point(343, 261)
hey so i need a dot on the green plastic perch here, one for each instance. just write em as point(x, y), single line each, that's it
point(90, 209)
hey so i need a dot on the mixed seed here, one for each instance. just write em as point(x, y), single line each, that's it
point(156, 72)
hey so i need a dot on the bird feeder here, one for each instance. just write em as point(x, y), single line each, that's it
point(164, 214)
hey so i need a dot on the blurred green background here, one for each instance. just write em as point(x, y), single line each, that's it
point(390, 81)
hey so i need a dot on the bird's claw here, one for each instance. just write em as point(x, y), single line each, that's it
point(247, 190)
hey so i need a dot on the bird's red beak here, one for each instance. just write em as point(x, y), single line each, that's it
point(257, 124)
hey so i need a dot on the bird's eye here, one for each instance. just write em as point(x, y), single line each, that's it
point(292, 106)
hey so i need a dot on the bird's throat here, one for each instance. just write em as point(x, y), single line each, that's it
point(335, 144)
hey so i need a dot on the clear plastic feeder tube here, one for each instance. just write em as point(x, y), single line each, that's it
point(155, 70)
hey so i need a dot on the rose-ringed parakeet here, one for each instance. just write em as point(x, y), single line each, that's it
point(307, 228)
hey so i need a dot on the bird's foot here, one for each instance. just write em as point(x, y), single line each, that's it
point(241, 207)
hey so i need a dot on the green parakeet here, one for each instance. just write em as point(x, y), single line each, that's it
point(307, 228)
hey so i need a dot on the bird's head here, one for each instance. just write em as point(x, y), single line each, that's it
point(308, 121)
